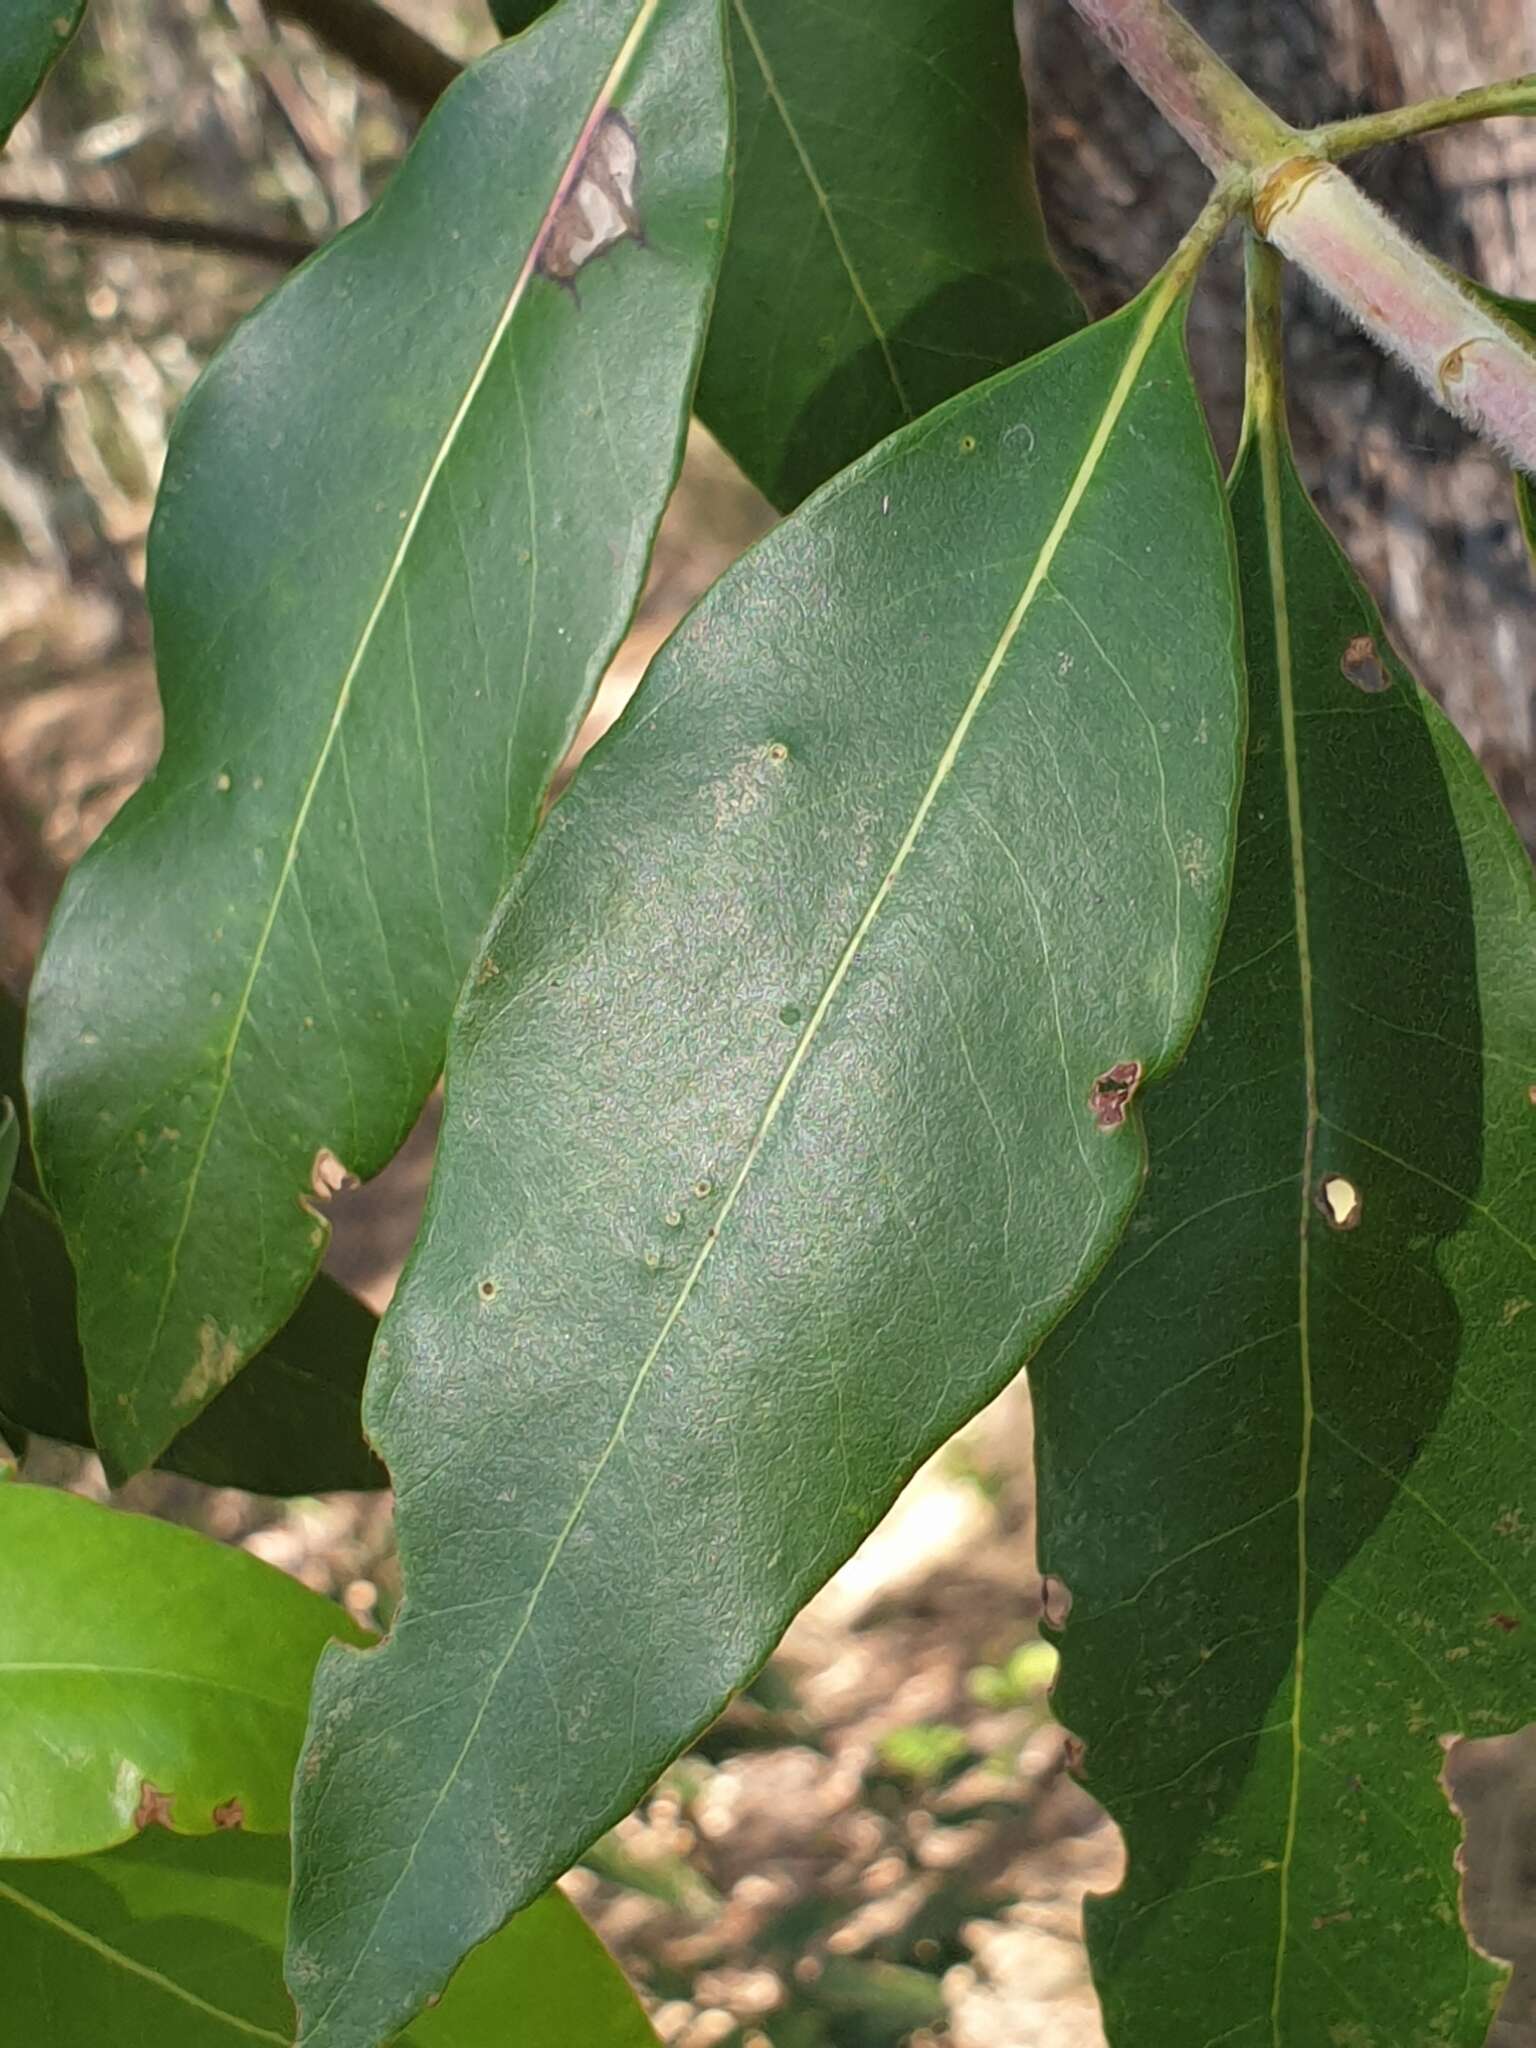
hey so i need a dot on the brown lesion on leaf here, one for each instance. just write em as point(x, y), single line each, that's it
point(1113, 1093)
point(1489, 1783)
point(595, 208)
point(219, 1358)
point(1339, 1201)
point(155, 1807)
point(329, 1177)
point(230, 1815)
point(1362, 665)
point(1055, 1601)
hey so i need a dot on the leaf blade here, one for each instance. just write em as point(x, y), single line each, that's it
point(884, 171)
point(291, 1423)
point(146, 1674)
point(769, 819)
point(37, 35)
point(335, 860)
point(1270, 1471)
point(123, 1942)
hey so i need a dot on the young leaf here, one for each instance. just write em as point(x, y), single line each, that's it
point(36, 35)
point(1283, 1445)
point(289, 1424)
point(771, 1147)
point(177, 1944)
point(887, 248)
point(147, 1675)
point(404, 520)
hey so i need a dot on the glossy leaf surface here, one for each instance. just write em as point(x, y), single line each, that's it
point(1284, 1445)
point(404, 520)
point(770, 1145)
point(147, 1675)
point(887, 248)
point(289, 1424)
point(177, 1944)
point(35, 34)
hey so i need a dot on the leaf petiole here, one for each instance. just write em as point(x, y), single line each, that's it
point(1339, 139)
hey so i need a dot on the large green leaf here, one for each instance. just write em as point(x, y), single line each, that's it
point(174, 1944)
point(146, 1674)
point(290, 1424)
point(405, 517)
point(770, 1145)
point(34, 36)
point(887, 248)
point(1284, 1446)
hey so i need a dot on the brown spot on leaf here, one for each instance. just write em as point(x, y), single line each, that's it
point(1339, 1200)
point(219, 1358)
point(1113, 1092)
point(1055, 1601)
point(154, 1808)
point(1361, 665)
point(328, 1176)
point(230, 1815)
point(595, 208)
point(1506, 1622)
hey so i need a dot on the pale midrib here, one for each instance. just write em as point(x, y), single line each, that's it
point(824, 203)
point(193, 1681)
point(1269, 463)
point(1156, 312)
point(119, 1961)
point(610, 86)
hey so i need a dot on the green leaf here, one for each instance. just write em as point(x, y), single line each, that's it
point(176, 1944)
point(770, 1146)
point(146, 1674)
point(513, 16)
point(37, 33)
point(289, 1424)
point(404, 521)
point(10, 1133)
point(887, 248)
point(1284, 1466)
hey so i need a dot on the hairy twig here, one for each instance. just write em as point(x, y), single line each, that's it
point(1476, 364)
